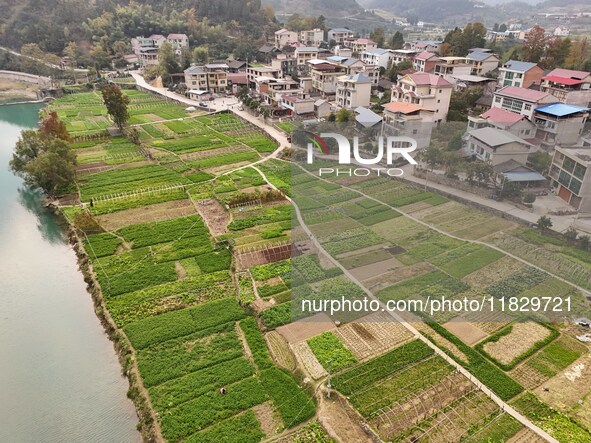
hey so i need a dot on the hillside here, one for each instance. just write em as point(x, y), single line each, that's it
point(425, 9)
point(328, 8)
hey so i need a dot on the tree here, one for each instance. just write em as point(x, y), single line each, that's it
point(571, 235)
point(534, 44)
point(503, 27)
point(544, 223)
point(473, 36)
point(557, 50)
point(186, 58)
point(432, 157)
point(395, 69)
point(540, 161)
point(584, 242)
point(200, 55)
point(378, 36)
point(116, 103)
point(167, 61)
point(44, 160)
point(396, 41)
point(578, 54)
point(479, 173)
point(455, 143)
point(52, 127)
point(344, 115)
point(71, 51)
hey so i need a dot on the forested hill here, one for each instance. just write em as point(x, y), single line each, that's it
point(328, 8)
point(428, 10)
point(52, 24)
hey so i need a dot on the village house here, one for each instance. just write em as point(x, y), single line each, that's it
point(409, 120)
point(353, 91)
point(560, 124)
point(425, 62)
point(366, 118)
point(297, 105)
point(568, 86)
point(424, 45)
point(571, 176)
point(339, 35)
point(253, 71)
point(521, 100)
point(520, 74)
point(146, 48)
point(355, 66)
point(429, 91)
point(178, 41)
point(322, 108)
point(312, 37)
point(452, 67)
point(377, 57)
point(283, 37)
point(512, 122)
point(212, 77)
point(401, 55)
point(511, 171)
point(482, 62)
point(497, 146)
point(360, 45)
point(323, 78)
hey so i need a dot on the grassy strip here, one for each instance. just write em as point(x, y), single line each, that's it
point(256, 342)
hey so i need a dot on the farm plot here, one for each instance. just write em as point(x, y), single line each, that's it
point(372, 335)
point(308, 360)
point(330, 351)
point(493, 272)
point(515, 342)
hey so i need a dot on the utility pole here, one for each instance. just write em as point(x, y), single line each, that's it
point(328, 384)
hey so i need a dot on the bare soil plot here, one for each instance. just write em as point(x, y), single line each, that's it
point(271, 254)
point(270, 423)
point(280, 350)
point(490, 322)
point(526, 436)
point(379, 282)
point(517, 342)
point(307, 360)
point(307, 328)
point(341, 421)
point(157, 212)
point(372, 335)
point(468, 332)
point(569, 391)
point(493, 272)
point(214, 214)
point(376, 269)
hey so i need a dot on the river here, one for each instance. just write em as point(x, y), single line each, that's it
point(60, 380)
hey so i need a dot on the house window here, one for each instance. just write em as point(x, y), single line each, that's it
point(528, 107)
point(497, 99)
point(438, 101)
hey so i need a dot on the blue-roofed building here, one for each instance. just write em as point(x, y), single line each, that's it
point(520, 74)
point(560, 124)
point(511, 171)
point(482, 62)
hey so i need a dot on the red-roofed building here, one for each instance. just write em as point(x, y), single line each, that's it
point(512, 122)
point(425, 61)
point(568, 86)
point(521, 100)
point(427, 90)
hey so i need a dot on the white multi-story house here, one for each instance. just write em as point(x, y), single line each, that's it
point(520, 74)
point(377, 57)
point(146, 48)
point(521, 100)
point(410, 120)
point(339, 35)
point(353, 91)
point(212, 77)
point(360, 45)
point(312, 37)
point(284, 37)
point(402, 55)
point(429, 91)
